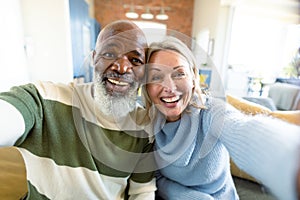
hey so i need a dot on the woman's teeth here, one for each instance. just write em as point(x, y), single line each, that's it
point(171, 99)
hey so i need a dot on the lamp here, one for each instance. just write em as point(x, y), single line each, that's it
point(162, 15)
point(131, 14)
point(147, 14)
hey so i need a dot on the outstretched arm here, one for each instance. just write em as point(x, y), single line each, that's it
point(12, 124)
point(266, 148)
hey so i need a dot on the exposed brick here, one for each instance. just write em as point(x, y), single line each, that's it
point(180, 15)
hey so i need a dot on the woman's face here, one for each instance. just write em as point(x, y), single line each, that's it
point(169, 83)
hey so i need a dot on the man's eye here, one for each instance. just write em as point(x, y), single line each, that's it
point(136, 61)
point(108, 56)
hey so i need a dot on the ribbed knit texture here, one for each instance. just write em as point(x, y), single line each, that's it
point(202, 171)
point(199, 171)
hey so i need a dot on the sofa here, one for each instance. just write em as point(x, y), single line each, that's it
point(285, 96)
point(13, 185)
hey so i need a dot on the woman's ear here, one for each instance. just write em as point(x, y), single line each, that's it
point(194, 83)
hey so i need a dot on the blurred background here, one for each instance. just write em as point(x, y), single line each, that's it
point(251, 43)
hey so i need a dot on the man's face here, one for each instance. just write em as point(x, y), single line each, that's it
point(119, 61)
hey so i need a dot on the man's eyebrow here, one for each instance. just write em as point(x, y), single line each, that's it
point(136, 52)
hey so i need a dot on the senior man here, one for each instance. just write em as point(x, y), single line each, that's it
point(81, 141)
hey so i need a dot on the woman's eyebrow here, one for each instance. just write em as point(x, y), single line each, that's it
point(179, 66)
point(154, 69)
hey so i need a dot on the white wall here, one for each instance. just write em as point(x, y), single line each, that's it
point(13, 65)
point(47, 39)
point(216, 17)
point(213, 18)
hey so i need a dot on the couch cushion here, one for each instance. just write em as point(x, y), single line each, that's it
point(264, 101)
point(247, 107)
point(13, 184)
point(285, 96)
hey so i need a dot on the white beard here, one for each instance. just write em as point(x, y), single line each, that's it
point(116, 106)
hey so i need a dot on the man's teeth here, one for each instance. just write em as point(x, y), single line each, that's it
point(118, 82)
point(171, 99)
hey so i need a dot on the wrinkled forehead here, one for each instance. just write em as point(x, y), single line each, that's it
point(125, 41)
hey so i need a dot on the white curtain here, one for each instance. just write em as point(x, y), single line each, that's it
point(13, 64)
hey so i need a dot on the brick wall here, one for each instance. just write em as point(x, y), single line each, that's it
point(180, 15)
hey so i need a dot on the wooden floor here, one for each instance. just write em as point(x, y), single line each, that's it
point(13, 183)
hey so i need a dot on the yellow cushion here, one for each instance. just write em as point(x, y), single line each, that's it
point(247, 107)
point(251, 108)
point(292, 116)
point(13, 184)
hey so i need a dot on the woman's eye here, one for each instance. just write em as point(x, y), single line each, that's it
point(179, 75)
point(155, 78)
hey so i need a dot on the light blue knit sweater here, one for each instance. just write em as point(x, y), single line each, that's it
point(194, 160)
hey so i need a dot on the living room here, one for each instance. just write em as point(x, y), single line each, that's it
point(243, 60)
point(243, 38)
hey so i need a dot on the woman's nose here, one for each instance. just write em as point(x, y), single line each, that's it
point(122, 65)
point(169, 85)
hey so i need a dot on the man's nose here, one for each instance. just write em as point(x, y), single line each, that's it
point(122, 65)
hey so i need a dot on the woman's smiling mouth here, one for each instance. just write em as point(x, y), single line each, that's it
point(170, 99)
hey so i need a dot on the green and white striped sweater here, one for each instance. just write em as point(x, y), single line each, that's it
point(71, 151)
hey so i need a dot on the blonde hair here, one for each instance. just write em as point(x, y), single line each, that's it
point(174, 44)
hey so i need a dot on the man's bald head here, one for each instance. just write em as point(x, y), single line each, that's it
point(125, 28)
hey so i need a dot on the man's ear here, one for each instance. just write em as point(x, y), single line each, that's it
point(93, 57)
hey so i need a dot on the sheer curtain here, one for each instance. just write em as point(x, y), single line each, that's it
point(13, 64)
point(264, 36)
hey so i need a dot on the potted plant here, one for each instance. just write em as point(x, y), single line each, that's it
point(293, 69)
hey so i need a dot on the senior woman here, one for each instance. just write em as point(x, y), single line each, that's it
point(194, 136)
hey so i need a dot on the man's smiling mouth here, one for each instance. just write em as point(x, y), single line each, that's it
point(117, 85)
point(117, 82)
